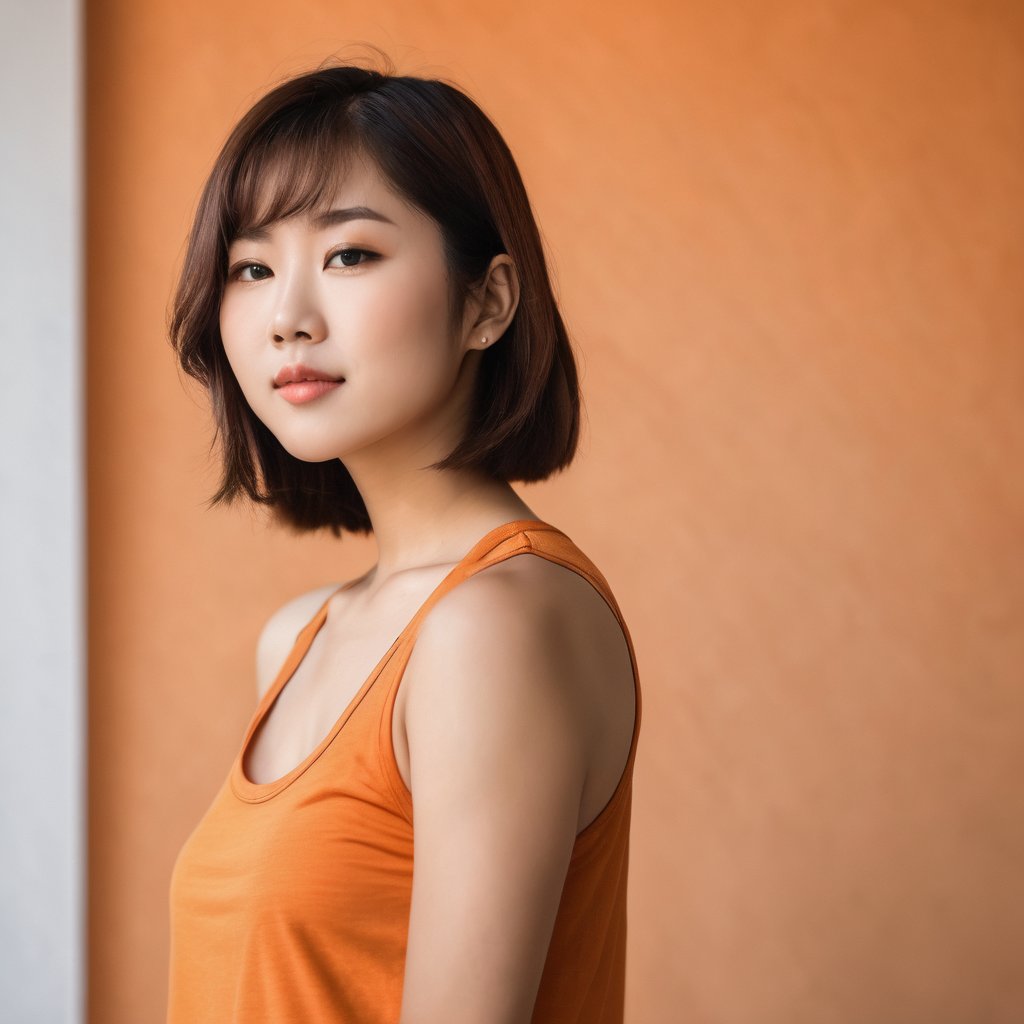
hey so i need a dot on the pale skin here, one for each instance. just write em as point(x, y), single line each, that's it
point(514, 718)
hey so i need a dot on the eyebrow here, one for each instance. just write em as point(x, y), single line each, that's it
point(324, 220)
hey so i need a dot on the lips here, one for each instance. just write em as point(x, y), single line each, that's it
point(301, 392)
point(298, 372)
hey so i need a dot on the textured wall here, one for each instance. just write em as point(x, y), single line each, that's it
point(788, 241)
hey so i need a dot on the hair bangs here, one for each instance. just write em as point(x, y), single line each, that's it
point(290, 172)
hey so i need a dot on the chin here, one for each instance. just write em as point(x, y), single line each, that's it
point(307, 451)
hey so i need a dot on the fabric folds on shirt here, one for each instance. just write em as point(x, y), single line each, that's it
point(289, 901)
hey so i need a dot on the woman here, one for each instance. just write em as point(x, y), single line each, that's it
point(365, 297)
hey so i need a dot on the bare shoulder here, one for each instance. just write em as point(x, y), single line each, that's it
point(280, 631)
point(545, 642)
point(505, 739)
point(524, 607)
point(533, 592)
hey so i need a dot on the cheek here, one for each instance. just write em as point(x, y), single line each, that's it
point(230, 330)
point(236, 341)
point(243, 313)
point(406, 328)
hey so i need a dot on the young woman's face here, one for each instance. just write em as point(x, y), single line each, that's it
point(363, 300)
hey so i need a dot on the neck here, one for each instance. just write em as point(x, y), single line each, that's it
point(426, 517)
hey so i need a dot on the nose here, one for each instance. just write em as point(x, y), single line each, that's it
point(297, 316)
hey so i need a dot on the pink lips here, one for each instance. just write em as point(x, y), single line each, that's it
point(299, 383)
point(307, 390)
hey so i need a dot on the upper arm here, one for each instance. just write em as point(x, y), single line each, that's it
point(279, 633)
point(497, 761)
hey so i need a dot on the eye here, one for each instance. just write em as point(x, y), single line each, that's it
point(349, 253)
point(235, 273)
point(355, 255)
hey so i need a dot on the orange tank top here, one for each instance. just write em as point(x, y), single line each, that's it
point(289, 901)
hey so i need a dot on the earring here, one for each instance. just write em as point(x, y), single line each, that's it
point(484, 342)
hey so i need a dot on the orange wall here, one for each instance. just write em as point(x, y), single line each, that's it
point(788, 238)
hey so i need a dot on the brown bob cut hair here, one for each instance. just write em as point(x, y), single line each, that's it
point(439, 151)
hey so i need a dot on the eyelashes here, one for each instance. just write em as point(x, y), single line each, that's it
point(361, 252)
point(234, 274)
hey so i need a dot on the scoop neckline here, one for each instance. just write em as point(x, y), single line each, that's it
point(256, 792)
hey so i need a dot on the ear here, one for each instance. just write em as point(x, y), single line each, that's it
point(493, 303)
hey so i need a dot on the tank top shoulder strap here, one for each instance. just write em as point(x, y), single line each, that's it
point(540, 539)
point(512, 539)
point(556, 546)
point(534, 536)
point(507, 538)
